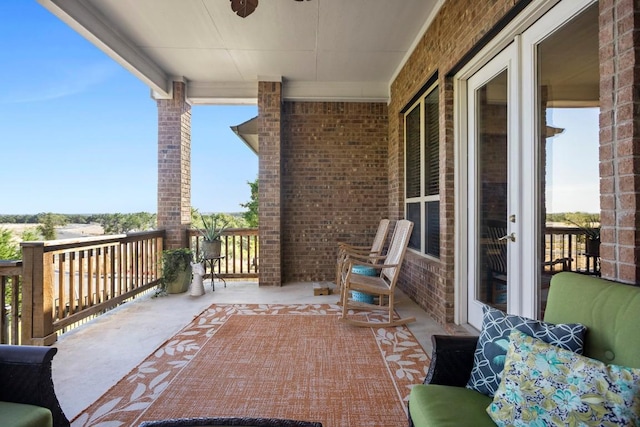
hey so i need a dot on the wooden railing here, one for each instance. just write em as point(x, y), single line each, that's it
point(10, 275)
point(60, 283)
point(67, 281)
point(240, 248)
point(566, 248)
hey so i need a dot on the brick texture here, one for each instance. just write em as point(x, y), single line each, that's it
point(174, 167)
point(334, 182)
point(269, 175)
point(458, 26)
point(620, 140)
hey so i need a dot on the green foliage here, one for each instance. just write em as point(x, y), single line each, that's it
point(115, 223)
point(9, 249)
point(48, 223)
point(251, 215)
point(173, 262)
point(213, 225)
point(589, 223)
point(19, 219)
point(119, 223)
point(30, 234)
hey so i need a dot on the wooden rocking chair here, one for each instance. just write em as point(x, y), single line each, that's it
point(375, 250)
point(382, 285)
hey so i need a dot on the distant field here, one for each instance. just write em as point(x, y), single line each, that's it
point(68, 231)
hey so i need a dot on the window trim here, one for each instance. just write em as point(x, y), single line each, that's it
point(423, 199)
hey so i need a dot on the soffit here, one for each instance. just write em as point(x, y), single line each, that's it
point(321, 49)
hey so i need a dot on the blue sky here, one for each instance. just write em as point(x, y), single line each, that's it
point(573, 180)
point(79, 132)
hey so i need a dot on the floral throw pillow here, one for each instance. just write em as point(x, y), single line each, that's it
point(544, 385)
point(491, 350)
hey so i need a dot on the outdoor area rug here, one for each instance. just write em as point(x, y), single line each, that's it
point(273, 361)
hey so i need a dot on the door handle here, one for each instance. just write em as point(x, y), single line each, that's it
point(511, 237)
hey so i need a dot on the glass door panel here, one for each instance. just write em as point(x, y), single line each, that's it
point(488, 153)
point(568, 93)
point(492, 243)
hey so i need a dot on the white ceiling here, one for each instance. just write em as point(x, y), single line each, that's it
point(321, 49)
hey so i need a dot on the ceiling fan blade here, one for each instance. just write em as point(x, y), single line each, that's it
point(244, 8)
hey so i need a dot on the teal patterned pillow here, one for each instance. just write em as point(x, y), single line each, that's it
point(491, 350)
point(544, 385)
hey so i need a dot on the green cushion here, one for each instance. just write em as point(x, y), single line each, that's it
point(447, 406)
point(21, 415)
point(609, 311)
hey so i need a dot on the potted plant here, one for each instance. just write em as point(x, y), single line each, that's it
point(591, 235)
point(176, 271)
point(592, 241)
point(213, 227)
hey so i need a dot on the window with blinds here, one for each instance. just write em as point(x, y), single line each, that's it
point(422, 172)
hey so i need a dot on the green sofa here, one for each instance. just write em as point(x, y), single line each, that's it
point(610, 311)
point(27, 396)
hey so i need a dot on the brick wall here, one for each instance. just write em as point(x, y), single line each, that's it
point(269, 175)
point(619, 140)
point(174, 167)
point(458, 26)
point(334, 182)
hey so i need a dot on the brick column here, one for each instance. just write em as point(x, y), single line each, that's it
point(269, 189)
point(174, 167)
point(619, 141)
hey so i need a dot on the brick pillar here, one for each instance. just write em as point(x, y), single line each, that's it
point(619, 140)
point(174, 167)
point(269, 175)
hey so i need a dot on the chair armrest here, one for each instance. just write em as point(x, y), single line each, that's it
point(25, 377)
point(357, 248)
point(451, 360)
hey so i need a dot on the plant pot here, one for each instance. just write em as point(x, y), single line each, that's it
point(211, 249)
point(592, 247)
point(181, 283)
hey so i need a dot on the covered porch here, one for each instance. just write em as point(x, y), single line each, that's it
point(84, 367)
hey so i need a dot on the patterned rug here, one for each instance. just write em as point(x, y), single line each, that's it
point(274, 361)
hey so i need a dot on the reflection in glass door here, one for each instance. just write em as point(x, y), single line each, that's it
point(492, 244)
point(490, 238)
point(530, 133)
point(568, 116)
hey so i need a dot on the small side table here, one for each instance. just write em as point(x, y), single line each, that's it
point(212, 262)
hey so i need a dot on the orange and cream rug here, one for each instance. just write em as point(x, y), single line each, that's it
point(273, 361)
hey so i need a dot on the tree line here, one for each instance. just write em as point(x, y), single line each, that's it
point(580, 219)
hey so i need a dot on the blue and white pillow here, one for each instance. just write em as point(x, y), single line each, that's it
point(491, 351)
point(544, 385)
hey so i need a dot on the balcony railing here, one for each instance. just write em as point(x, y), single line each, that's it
point(239, 253)
point(65, 282)
point(568, 248)
point(61, 283)
point(10, 276)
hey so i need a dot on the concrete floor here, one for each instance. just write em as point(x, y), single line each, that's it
point(95, 356)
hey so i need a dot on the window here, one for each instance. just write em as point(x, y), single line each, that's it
point(422, 173)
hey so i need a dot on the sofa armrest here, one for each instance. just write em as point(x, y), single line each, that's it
point(25, 377)
point(451, 360)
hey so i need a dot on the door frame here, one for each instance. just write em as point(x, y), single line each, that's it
point(505, 61)
point(527, 131)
